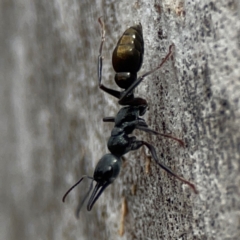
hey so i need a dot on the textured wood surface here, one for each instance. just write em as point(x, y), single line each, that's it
point(52, 133)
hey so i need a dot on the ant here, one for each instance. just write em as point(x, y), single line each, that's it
point(127, 60)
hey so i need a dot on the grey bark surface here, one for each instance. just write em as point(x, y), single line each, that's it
point(52, 131)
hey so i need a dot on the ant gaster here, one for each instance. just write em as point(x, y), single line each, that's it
point(127, 60)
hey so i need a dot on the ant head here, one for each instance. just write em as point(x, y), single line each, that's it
point(107, 169)
point(105, 173)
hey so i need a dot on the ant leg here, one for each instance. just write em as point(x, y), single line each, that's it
point(112, 92)
point(137, 144)
point(141, 123)
point(168, 170)
point(140, 79)
point(109, 119)
point(149, 130)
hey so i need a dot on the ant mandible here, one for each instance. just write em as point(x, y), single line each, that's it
point(127, 60)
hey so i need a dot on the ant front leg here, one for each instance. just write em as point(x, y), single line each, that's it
point(137, 144)
point(110, 91)
point(128, 91)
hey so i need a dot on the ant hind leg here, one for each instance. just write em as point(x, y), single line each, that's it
point(140, 79)
point(112, 92)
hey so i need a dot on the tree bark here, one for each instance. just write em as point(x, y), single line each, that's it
point(52, 131)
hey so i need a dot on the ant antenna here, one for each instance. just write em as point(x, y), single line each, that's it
point(78, 182)
point(82, 202)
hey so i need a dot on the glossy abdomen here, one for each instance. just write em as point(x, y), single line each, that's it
point(128, 54)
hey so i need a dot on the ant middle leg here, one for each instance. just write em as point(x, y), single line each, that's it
point(149, 130)
point(109, 119)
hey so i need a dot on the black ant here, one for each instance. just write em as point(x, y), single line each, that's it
point(127, 60)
